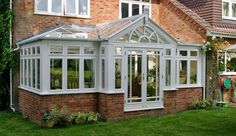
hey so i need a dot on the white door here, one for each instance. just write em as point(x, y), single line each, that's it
point(143, 77)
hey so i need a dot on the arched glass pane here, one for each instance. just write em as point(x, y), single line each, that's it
point(134, 38)
point(144, 40)
point(154, 39)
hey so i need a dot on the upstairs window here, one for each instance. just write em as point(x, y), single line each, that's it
point(73, 8)
point(229, 9)
point(133, 7)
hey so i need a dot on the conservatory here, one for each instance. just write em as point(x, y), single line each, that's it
point(132, 61)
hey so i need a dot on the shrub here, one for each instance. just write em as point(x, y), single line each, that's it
point(202, 104)
point(85, 118)
point(49, 118)
point(63, 118)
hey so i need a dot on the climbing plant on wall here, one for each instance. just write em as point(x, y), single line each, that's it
point(211, 49)
point(6, 54)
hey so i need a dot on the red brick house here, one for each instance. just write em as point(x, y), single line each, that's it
point(119, 58)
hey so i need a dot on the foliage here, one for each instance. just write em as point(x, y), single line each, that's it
point(85, 118)
point(7, 57)
point(202, 104)
point(49, 118)
point(214, 44)
point(63, 118)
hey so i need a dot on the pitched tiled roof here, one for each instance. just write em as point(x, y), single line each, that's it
point(75, 31)
point(191, 14)
point(221, 28)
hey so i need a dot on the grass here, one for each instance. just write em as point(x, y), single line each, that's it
point(213, 122)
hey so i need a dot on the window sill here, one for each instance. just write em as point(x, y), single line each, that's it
point(142, 109)
point(229, 18)
point(62, 15)
point(188, 86)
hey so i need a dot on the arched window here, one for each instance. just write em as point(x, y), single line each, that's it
point(143, 34)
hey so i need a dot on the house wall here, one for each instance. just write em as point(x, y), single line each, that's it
point(109, 106)
point(179, 24)
point(211, 11)
point(27, 23)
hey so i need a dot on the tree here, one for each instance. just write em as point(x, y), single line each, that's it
point(7, 58)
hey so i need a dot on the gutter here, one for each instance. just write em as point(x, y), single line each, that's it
point(11, 90)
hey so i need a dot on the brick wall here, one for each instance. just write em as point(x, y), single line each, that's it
point(109, 106)
point(27, 23)
point(32, 105)
point(180, 25)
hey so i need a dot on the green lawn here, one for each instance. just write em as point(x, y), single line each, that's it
point(214, 122)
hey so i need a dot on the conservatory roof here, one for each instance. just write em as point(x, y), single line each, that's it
point(75, 31)
point(231, 48)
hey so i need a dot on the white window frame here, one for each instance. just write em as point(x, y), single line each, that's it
point(140, 3)
point(230, 9)
point(64, 56)
point(63, 13)
point(172, 58)
point(25, 58)
point(118, 56)
point(189, 58)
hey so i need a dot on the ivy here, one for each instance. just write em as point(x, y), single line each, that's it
point(7, 57)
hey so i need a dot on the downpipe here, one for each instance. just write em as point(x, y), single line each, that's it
point(11, 88)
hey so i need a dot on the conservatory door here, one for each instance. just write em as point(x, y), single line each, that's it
point(143, 79)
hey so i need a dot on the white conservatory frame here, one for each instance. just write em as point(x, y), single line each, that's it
point(105, 50)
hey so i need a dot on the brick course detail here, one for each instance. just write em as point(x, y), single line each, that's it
point(109, 106)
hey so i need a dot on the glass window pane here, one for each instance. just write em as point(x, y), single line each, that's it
point(103, 73)
point(193, 53)
point(234, 10)
point(231, 62)
point(89, 50)
point(144, 40)
point(38, 73)
point(73, 50)
point(145, 6)
point(57, 6)
point(83, 7)
point(25, 52)
point(118, 50)
point(225, 9)
point(193, 72)
point(168, 72)
point(25, 72)
point(124, 10)
point(183, 72)
point(168, 52)
point(29, 51)
point(135, 9)
point(103, 50)
point(33, 73)
point(55, 74)
point(183, 53)
point(42, 5)
point(56, 50)
point(89, 73)
point(21, 72)
point(70, 7)
point(118, 68)
point(146, 0)
point(29, 73)
point(33, 51)
point(73, 74)
point(38, 50)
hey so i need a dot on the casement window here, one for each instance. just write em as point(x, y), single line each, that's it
point(134, 7)
point(73, 8)
point(30, 67)
point(168, 67)
point(188, 67)
point(229, 9)
point(118, 67)
point(72, 68)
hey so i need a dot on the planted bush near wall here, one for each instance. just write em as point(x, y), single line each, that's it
point(62, 118)
point(202, 104)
